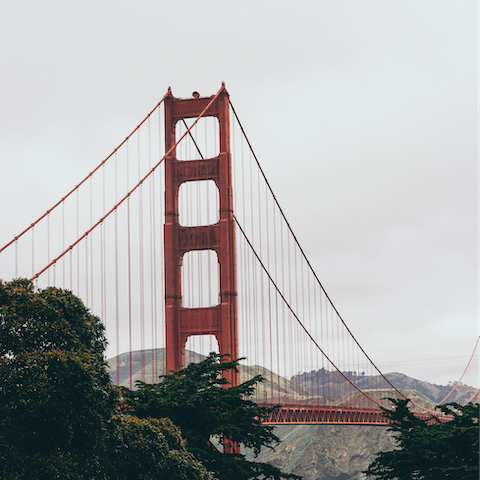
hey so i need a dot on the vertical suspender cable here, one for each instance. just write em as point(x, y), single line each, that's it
point(256, 278)
point(342, 353)
point(16, 257)
point(129, 275)
point(162, 254)
point(33, 250)
point(308, 353)
point(142, 279)
point(246, 312)
point(77, 248)
point(322, 318)
point(103, 259)
point(261, 321)
point(284, 336)
point(277, 326)
point(290, 332)
point(254, 270)
point(303, 350)
point(315, 379)
point(86, 272)
point(71, 269)
point(48, 247)
point(63, 240)
point(117, 297)
point(215, 151)
point(270, 336)
point(151, 205)
point(91, 242)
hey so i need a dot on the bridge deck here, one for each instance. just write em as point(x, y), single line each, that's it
point(318, 415)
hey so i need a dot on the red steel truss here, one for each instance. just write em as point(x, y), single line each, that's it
point(314, 415)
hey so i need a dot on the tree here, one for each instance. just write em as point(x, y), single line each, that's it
point(59, 413)
point(195, 399)
point(432, 448)
point(152, 449)
point(56, 398)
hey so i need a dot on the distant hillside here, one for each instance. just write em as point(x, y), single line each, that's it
point(317, 452)
point(327, 452)
point(152, 361)
point(436, 393)
point(426, 393)
point(119, 369)
point(293, 389)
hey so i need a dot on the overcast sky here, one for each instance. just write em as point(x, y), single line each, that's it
point(364, 115)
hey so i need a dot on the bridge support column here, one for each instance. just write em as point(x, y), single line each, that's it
point(219, 320)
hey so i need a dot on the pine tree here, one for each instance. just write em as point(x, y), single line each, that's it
point(195, 399)
point(430, 449)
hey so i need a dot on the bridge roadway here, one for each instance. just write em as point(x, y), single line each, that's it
point(301, 414)
point(298, 414)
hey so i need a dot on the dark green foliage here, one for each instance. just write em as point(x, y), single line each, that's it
point(56, 398)
point(152, 449)
point(196, 400)
point(58, 408)
point(430, 449)
point(46, 320)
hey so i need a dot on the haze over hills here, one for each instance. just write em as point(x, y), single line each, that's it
point(119, 369)
point(317, 452)
point(296, 388)
point(428, 393)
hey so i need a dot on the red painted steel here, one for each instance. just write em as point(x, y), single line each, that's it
point(322, 415)
point(220, 320)
point(317, 414)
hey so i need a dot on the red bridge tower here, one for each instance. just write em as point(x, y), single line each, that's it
point(220, 320)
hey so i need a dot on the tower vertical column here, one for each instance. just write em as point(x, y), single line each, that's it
point(219, 320)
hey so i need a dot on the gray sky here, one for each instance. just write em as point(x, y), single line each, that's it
point(364, 116)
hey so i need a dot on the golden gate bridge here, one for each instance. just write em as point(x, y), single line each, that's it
point(177, 242)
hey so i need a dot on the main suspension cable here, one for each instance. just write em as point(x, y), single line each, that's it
point(305, 257)
point(296, 316)
point(320, 284)
point(84, 180)
point(131, 191)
